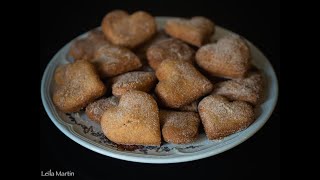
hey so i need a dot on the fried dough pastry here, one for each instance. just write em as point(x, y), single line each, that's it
point(84, 48)
point(59, 75)
point(137, 80)
point(169, 49)
point(113, 60)
point(229, 57)
point(82, 85)
point(135, 121)
point(221, 118)
point(179, 127)
point(196, 31)
point(180, 83)
point(192, 107)
point(249, 89)
point(141, 51)
point(128, 30)
point(95, 109)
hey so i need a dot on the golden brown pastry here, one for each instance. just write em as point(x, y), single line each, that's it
point(59, 75)
point(82, 86)
point(137, 80)
point(84, 48)
point(113, 60)
point(179, 127)
point(229, 57)
point(221, 118)
point(141, 51)
point(169, 49)
point(249, 89)
point(128, 30)
point(180, 83)
point(135, 121)
point(95, 109)
point(196, 31)
point(192, 107)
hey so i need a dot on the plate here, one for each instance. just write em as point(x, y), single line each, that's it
point(88, 134)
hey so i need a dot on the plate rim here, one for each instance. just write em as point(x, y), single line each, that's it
point(160, 160)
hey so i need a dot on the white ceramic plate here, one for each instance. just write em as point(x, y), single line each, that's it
point(88, 134)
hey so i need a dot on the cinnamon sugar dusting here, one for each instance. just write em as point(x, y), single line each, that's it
point(229, 57)
point(138, 80)
point(222, 118)
point(179, 127)
point(249, 89)
point(95, 110)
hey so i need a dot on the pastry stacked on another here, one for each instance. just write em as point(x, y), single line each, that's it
point(147, 69)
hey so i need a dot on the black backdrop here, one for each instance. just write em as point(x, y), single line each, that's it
point(257, 158)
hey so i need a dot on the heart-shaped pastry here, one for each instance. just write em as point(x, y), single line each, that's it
point(111, 60)
point(135, 121)
point(84, 48)
point(137, 80)
point(81, 86)
point(180, 83)
point(128, 31)
point(179, 127)
point(95, 109)
point(229, 57)
point(221, 118)
point(169, 49)
point(196, 31)
point(249, 89)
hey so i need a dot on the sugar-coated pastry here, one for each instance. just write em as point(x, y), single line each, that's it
point(59, 75)
point(196, 31)
point(82, 86)
point(95, 109)
point(135, 121)
point(141, 51)
point(192, 107)
point(180, 83)
point(229, 57)
point(179, 127)
point(137, 80)
point(169, 49)
point(221, 118)
point(249, 89)
point(113, 60)
point(128, 30)
point(84, 48)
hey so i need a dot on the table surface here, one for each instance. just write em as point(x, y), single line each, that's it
point(258, 157)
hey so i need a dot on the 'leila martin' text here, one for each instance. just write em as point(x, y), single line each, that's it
point(57, 173)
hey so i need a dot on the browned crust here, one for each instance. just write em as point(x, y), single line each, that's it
point(221, 118)
point(82, 86)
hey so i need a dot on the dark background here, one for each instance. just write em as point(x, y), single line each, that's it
point(256, 158)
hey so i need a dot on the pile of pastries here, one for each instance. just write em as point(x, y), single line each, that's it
point(145, 86)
